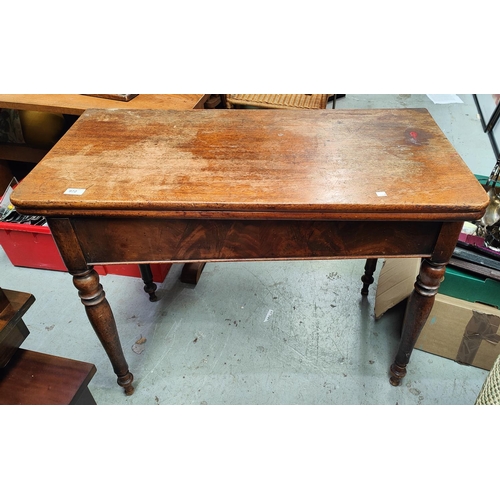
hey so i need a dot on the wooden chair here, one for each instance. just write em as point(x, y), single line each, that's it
point(279, 101)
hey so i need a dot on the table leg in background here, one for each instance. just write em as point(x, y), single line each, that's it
point(149, 284)
point(367, 278)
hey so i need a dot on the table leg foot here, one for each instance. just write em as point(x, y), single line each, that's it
point(367, 278)
point(151, 290)
point(126, 382)
point(397, 374)
point(149, 284)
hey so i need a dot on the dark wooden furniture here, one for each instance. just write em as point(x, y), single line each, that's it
point(13, 330)
point(227, 185)
point(33, 378)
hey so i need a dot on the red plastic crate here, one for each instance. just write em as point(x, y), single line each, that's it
point(34, 246)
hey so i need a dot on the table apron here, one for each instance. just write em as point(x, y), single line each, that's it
point(108, 240)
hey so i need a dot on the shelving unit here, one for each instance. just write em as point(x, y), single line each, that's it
point(33, 378)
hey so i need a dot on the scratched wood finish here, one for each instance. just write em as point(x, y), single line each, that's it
point(76, 104)
point(144, 240)
point(361, 164)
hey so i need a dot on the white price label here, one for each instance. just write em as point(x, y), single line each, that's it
point(74, 191)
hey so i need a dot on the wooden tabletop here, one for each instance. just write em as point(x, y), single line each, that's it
point(76, 104)
point(317, 164)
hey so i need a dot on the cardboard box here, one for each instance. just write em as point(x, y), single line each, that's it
point(464, 331)
point(467, 332)
point(395, 283)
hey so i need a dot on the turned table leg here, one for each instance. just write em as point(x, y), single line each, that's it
point(417, 311)
point(102, 320)
point(92, 295)
point(367, 278)
point(422, 298)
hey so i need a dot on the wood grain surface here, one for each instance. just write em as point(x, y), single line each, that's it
point(176, 240)
point(34, 378)
point(369, 164)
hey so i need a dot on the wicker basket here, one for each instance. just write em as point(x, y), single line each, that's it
point(490, 392)
point(279, 101)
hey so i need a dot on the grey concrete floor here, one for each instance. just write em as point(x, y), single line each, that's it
point(258, 333)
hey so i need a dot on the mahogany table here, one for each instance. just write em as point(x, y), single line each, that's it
point(226, 185)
